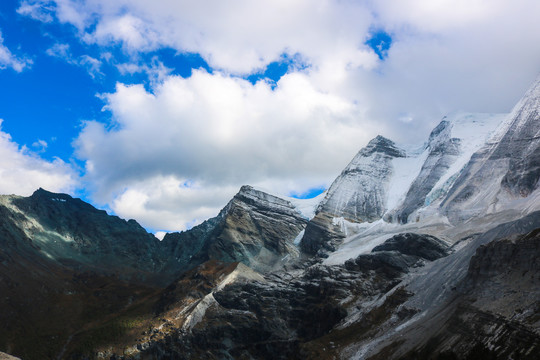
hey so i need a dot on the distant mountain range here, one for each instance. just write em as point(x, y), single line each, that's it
point(414, 252)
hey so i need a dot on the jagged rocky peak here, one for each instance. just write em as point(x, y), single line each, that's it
point(255, 228)
point(450, 146)
point(442, 151)
point(379, 144)
point(384, 181)
point(254, 197)
point(359, 194)
point(506, 170)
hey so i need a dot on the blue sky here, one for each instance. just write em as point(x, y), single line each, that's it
point(161, 111)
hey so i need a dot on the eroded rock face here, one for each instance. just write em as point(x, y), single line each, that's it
point(496, 314)
point(285, 314)
point(358, 194)
point(258, 229)
point(481, 302)
point(443, 152)
point(255, 228)
point(322, 236)
point(81, 280)
point(508, 167)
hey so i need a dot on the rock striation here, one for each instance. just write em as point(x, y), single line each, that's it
point(358, 194)
point(283, 315)
point(443, 150)
point(255, 228)
point(506, 169)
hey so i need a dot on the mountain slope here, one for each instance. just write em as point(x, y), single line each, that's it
point(506, 170)
point(450, 146)
point(255, 228)
point(76, 235)
point(358, 194)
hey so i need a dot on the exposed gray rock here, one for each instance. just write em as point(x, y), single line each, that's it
point(255, 228)
point(283, 315)
point(443, 152)
point(421, 245)
point(322, 236)
point(481, 299)
point(507, 167)
point(359, 194)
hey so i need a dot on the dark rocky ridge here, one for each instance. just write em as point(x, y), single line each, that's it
point(426, 246)
point(77, 289)
point(81, 237)
point(280, 317)
point(254, 228)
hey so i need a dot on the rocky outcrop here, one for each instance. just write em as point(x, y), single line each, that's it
point(255, 228)
point(281, 316)
point(495, 315)
point(420, 245)
point(322, 235)
point(77, 283)
point(479, 302)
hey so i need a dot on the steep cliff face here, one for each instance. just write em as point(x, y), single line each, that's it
point(255, 228)
point(505, 170)
point(384, 181)
point(83, 284)
point(359, 194)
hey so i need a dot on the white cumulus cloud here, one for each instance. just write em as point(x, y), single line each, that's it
point(216, 131)
point(22, 171)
